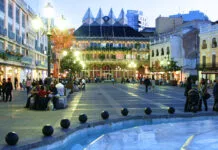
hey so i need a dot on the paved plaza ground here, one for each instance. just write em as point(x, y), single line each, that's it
point(96, 98)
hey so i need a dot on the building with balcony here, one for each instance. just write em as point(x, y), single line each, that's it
point(20, 46)
point(108, 45)
point(180, 46)
point(208, 67)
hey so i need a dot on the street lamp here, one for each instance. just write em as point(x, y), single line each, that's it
point(37, 25)
point(132, 65)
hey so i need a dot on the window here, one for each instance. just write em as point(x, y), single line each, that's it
point(152, 53)
point(10, 47)
point(23, 51)
point(204, 61)
point(1, 45)
point(168, 51)
point(10, 10)
point(162, 51)
point(17, 15)
point(214, 43)
point(1, 23)
point(157, 52)
point(10, 27)
point(2, 6)
point(204, 44)
point(23, 20)
point(213, 61)
point(17, 49)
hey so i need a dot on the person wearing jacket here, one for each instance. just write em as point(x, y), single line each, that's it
point(147, 83)
point(215, 94)
point(8, 90)
point(187, 88)
point(203, 90)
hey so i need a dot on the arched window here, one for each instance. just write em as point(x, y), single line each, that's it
point(204, 44)
point(168, 51)
point(162, 51)
point(157, 52)
point(152, 53)
point(214, 43)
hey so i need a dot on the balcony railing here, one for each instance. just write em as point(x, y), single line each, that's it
point(40, 64)
point(26, 60)
point(208, 66)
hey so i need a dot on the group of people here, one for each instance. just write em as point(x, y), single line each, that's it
point(202, 88)
point(6, 88)
point(41, 94)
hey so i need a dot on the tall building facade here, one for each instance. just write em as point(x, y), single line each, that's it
point(180, 45)
point(22, 51)
point(111, 48)
point(136, 20)
point(208, 51)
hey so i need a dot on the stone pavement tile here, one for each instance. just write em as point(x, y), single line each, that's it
point(97, 97)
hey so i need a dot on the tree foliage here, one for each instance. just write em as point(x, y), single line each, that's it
point(69, 62)
point(173, 66)
point(61, 39)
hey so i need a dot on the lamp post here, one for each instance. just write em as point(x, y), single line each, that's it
point(37, 25)
point(49, 14)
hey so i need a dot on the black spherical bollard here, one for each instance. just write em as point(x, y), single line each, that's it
point(11, 138)
point(47, 130)
point(104, 115)
point(171, 110)
point(148, 111)
point(83, 118)
point(65, 123)
point(124, 111)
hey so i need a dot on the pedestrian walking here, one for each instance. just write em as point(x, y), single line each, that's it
point(28, 86)
point(187, 88)
point(15, 83)
point(3, 89)
point(8, 90)
point(215, 94)
point(147, 83)
point(203, 91)
point(113, 81)
point(153, 84)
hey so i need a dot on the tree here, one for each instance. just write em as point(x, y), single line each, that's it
point(69, 62)
point(173, 66)
point(61, 40)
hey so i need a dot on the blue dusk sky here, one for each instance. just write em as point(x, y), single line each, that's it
point(74, 10)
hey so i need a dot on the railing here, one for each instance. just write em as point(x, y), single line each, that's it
point(208, 66)
point(116, 60)
point(41, 64)
point(26, 60)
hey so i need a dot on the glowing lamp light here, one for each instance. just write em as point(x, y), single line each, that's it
point(132, 65)
point(76, 53)
point(61, 23)
point(37, 23)
point(64, 53)
point(49, 11)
